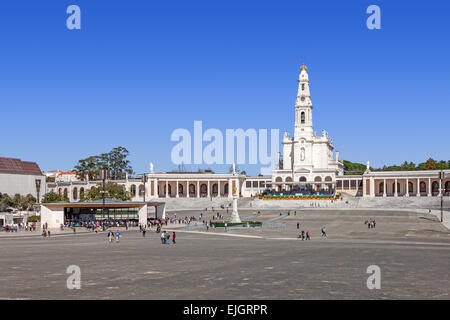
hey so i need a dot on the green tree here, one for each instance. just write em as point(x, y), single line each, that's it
point(54, 197)
point(115, 161)
point(113, 191)
point(430, 164)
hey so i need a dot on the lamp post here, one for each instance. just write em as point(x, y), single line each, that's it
point(103, 177)
point(38, 188)
point(441, 177)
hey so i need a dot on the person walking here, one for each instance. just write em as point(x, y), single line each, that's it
point(143, 232)
point(323, 233)
point(163, 237)
point(303, 235)
point(307, 236)
point(168, 238)
point(174, 236)
point(298, 225)
point(374, 223)
point(117, 235)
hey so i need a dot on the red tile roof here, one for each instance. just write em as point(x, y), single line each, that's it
point(17, 166)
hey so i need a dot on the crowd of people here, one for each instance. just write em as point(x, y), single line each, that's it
point(15, 227)
point(371, 224)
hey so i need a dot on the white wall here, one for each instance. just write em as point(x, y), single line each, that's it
point(22, 184)
point(53, 217)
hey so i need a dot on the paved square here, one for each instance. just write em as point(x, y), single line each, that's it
point(412, 250)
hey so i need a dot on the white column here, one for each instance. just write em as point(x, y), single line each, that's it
point(384, 187)
point(167, 189)
point(176, 188)
point(418, 187)
point(395, 188)
point(372, 187)
point(429, 187)
point(208, 191)
point(237, 187)
point(230, 189)
point(218, 189)
point(155, 188)
point(198, 189)
point(407, 187)
point(187, 188)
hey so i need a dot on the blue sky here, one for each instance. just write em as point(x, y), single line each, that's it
point(137, 70)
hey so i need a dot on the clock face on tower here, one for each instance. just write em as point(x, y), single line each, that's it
point(302, 98)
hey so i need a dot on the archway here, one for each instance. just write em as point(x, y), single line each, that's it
point(203, 190)
point(191, 190)
point(133, 190)
point(318, 185)
point(75, 193)
point(180, 190)
point(410, 188)
point(423, 187)
point(435, 188)
point(215, 189)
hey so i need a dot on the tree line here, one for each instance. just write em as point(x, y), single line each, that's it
point(430, 164)
point(24, 203)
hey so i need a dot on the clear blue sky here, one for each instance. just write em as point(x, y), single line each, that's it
point(137, 70)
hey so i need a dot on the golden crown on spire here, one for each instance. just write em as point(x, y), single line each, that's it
point(303, 67)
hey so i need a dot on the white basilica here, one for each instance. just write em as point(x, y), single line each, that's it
point(307, 158)
point(308, 164)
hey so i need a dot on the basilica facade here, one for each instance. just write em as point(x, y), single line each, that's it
point(307, 159)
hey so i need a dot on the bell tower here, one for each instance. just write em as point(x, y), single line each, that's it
point(303, 106)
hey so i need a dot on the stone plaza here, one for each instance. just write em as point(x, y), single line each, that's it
point(412, 250)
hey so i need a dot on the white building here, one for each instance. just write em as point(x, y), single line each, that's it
point(307, 158)
point(308, 162)
point(21, 177)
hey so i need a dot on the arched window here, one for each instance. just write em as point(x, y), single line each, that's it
point(75, 194)
point(65, 193)
point(302, 117)
point(302, 154)
point(215, 189)
point(180, 189)
point(133, 190)
point(288, 179)
point(303, 86)
point(423, 187)
point(278, 179)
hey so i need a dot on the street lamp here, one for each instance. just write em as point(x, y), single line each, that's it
point(38, 188)
point(103, 176)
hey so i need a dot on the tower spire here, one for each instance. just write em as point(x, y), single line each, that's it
point(303, 67)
